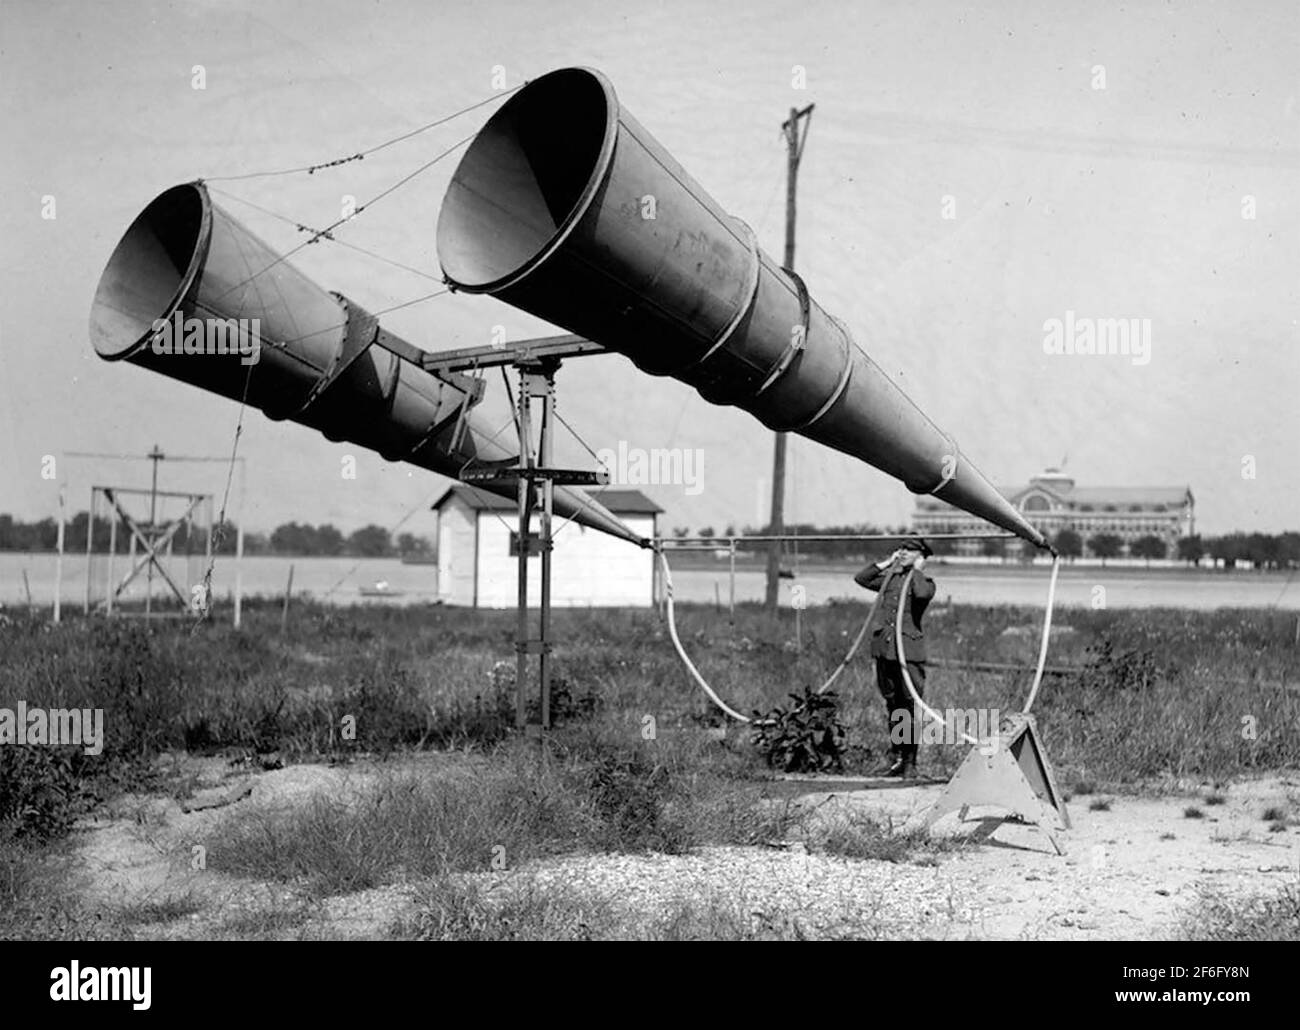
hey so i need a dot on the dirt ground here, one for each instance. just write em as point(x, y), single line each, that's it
point(1131, 871)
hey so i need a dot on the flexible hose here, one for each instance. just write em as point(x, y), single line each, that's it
point(902, 658)
point(672, 632)
point(866, 623)
point(1047, 632)
point(709, 692)
point(1042, 647)
point(857, 642)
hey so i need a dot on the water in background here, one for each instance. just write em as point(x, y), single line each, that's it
point(339, 580)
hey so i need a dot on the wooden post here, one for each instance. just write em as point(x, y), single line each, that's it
point(130, 556)
point(112, 551)
point(28, 588)
point(798, 627)
point(239, 548)
point(732, 586)
point(90, 536)
point(58, 563)
point(794, 141)
point(284, 612)
point(155, 456)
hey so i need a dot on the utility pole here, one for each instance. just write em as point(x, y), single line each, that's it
point(794, 142)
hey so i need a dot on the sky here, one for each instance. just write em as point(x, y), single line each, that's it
point(971, 173)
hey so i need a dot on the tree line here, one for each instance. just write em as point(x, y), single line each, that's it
point(291, 538)
point(1263, 550)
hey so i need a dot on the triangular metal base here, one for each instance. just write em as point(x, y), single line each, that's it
point(1016, 777)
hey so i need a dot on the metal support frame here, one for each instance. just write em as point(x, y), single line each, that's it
point(155, 456)
point(152, 538)
point(537, 362)
point(1014, 775)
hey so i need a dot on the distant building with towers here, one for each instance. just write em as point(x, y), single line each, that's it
point(1053, 502)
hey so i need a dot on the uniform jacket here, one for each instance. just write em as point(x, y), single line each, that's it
point(889, 583)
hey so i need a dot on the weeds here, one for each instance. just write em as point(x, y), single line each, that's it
point(39, 900)
point(166, 910)
point(459, 910)
point(589, 793)
point(860, 837)
point(424, 678)
point(1260, 918)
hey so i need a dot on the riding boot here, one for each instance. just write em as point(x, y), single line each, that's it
point(896, 762)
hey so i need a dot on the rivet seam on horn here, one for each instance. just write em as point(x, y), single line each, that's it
point(840, 387)
point(358, 321)
point(801, 338)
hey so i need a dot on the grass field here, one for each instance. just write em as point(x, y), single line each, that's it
point(1161, 696)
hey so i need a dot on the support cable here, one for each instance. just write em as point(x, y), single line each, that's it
point(362, 154)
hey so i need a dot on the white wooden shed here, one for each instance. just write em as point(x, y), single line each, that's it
point(478, 564)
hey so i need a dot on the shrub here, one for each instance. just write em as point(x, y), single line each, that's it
point(1115, 668)
point(805, 736)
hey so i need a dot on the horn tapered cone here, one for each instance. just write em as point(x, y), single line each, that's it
point(189, 292)
point(566, 207)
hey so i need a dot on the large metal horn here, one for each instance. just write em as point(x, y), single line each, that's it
point(566, 207)
point(311, 357)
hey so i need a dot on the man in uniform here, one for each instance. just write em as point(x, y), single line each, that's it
point(886, 578)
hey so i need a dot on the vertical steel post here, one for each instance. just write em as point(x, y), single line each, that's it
point(546, 381)
point(524, 509)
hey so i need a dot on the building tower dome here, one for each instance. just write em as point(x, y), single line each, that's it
point(1054, 479)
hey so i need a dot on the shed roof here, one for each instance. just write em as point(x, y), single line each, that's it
point(620, 502)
